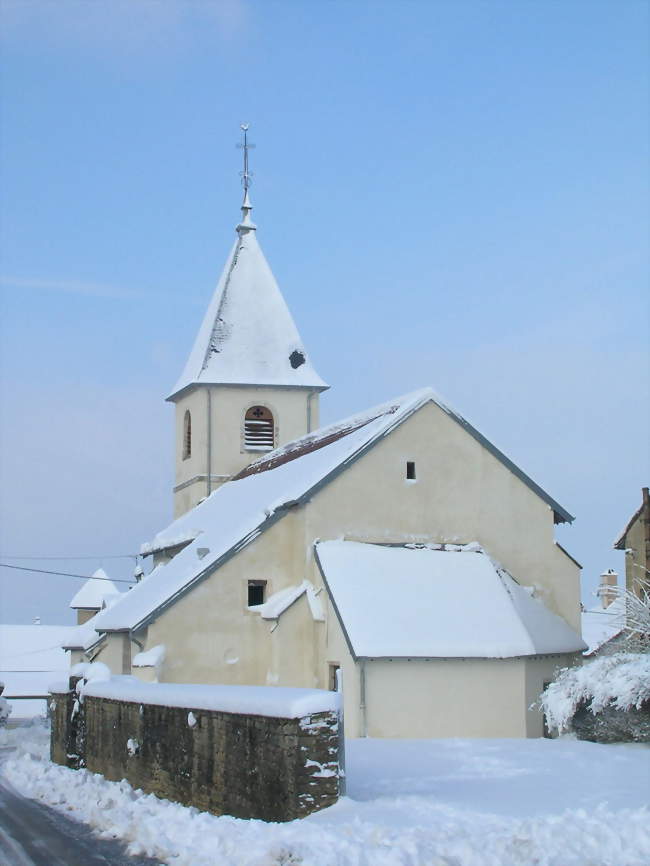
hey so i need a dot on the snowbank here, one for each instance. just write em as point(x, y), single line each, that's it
point(621, 680)
point(411, 803)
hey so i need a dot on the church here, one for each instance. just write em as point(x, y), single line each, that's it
point(397, 555)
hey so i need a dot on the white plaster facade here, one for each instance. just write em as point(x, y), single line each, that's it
point(217, 424)
point(462, 493)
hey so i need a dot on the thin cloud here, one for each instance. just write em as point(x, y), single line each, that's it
point(126, 27)
point(76, 287)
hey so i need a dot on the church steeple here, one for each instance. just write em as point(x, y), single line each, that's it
point(248, 336)
point(248, 344)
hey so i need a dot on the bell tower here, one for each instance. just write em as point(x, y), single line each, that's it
point(248, 385)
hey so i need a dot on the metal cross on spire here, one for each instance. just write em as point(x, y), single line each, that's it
point(246, 175)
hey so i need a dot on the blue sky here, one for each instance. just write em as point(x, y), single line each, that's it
point(449, 193)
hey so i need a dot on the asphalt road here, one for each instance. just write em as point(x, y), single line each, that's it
point(34, 835)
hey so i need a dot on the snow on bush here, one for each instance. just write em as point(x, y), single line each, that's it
point(5, 711)
point(620, 681)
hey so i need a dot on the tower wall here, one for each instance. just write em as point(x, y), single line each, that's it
point(218, 448)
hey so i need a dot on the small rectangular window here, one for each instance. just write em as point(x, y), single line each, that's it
point(332, 680)
point(256, 592)
point(410, 470)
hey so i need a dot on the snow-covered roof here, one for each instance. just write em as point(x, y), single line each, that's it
point(152, 658)
point(86, 635)
point(237, 512)
point(279, 602)
point(601, 624)
point(163, 541)
point(93, 591)
point(32, 648)
point(248, 336)
point(421, 602)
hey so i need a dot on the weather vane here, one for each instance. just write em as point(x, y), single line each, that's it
point(246, 175)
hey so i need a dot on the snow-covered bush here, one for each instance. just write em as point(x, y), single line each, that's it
point(612, 682)
point(5, 711)
point(636, 631)
point(5, 708)
point(608, 698)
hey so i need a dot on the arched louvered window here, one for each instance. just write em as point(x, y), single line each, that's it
point(259, 432)
point(187, 435)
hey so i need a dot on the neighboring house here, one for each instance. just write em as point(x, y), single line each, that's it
point(603, 624)
point(399, 546)
point(92, 596)
point(96, 595)
point(31, 659)
point(635, 542)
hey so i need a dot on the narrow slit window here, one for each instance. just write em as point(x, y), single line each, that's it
point(256, 592)
point(259, 429)
point(333, 677)
point(410, 470)
point(187, 435)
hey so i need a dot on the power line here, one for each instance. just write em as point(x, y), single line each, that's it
point(65, 573)
point(98, 556)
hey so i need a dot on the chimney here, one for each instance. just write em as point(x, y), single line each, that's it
point(608, 589)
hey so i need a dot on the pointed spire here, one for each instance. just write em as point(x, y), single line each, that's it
point(246, 224)
point(248, 336)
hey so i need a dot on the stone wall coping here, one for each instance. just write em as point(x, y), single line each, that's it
point(273, 701)
point(62, 687)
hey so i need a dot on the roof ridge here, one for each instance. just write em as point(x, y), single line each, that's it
point(327, 434)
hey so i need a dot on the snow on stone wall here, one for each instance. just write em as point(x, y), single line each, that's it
point(235, 763)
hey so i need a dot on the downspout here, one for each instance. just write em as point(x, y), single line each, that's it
point(342, 777)
point(362, 697)
point(209, 445)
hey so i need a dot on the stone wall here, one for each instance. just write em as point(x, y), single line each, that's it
point(248, 766)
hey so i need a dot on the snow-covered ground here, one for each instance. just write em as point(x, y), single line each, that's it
point(410, 803)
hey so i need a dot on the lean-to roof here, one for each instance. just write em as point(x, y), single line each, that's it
point(443, 601)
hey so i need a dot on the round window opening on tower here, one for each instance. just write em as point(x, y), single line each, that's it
point(259, 429)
